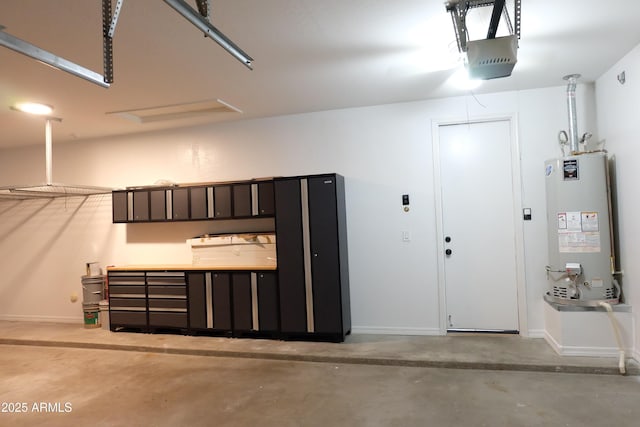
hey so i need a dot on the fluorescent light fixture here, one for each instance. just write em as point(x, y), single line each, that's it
point(209, 30)
point(33, 108)
point(461, 80)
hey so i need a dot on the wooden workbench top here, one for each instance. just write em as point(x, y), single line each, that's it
point(188, 267)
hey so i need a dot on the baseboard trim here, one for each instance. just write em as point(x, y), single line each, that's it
point(536, 333)
point(385, 330)
point(34, 318)
point(584, 351)
point(552, 342)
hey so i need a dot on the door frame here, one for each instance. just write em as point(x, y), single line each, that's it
point(516, 179)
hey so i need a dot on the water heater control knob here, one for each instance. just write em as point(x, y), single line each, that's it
point(448, 252)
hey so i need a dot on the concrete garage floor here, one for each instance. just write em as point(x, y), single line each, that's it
point(67, 375)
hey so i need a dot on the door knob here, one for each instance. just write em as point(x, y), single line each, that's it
point(448, 252)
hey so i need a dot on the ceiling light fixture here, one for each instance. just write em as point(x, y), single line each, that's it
point(33, 108)
point(461, 80)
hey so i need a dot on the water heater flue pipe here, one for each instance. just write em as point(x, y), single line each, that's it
point(571, 108)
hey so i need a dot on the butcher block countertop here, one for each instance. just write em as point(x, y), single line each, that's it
point(188, 267)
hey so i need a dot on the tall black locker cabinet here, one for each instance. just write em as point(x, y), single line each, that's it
point(312, 256)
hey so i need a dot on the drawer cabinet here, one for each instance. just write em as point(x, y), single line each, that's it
point(147, 300)
point(127, 300)
point(167, 299)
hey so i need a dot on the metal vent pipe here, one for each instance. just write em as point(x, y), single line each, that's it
point(573, 116)
point(48, 152)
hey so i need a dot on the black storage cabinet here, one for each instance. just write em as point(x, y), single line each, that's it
point(210, 302)
point(127, 300)
point(167, 300)
point(226, 302)
point(313, 272)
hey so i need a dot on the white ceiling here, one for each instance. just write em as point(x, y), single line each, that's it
point(310, 55)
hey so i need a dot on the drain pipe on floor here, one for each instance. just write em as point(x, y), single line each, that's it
point(616, 332)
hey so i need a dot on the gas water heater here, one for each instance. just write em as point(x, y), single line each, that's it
point(580, 233)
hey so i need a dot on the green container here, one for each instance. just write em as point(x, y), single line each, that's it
point(91, 315)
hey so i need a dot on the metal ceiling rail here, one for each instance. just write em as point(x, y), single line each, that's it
point(30, 50)
point(199, 19)
point(108, 27)
point(209, 30)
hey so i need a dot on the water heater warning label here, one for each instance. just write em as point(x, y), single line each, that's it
point(578, 232)
point(590, 221)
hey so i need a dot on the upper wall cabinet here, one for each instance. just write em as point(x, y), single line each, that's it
point(246, 199)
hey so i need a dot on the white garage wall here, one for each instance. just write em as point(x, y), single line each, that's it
point(617, 107)
point(383, 152)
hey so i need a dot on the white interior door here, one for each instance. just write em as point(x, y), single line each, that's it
point(479, 226)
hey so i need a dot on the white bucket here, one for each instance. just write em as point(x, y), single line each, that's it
point(104, 314)
point(92, 289)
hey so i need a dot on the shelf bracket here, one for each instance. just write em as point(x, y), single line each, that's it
point(204, 8)
point(114, 18)
point(459, 8)
point(498, 7)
